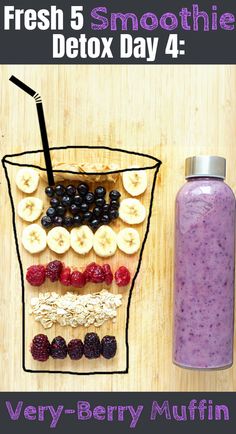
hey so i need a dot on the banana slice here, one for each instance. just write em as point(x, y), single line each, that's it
point(132, 211)
point(58, 240)
point(135, 182)
point(105, 244)
point(82, 239)
point(27, 180)
point(34, 238)
point(30, 208)
point(128, 241)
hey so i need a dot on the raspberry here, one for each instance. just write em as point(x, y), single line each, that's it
point(65, 277)
point(53, 270)
point(40, 348)
point(92, 346)
point(94, 273)
point(58, 348)
point(78, 279)
point(108, 274)
point(75, 349)
point(122, 276)
point(36, 275)
point(108, 347)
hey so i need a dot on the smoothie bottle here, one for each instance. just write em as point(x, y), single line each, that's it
point(204, 267)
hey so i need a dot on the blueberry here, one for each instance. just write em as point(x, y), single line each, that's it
point(89, 198)
point(87, 216)
point(71, 190)
point(51, 212)
point(94, 223)
point(106, 208)
point(114, 204)
point(84, 207)
point(97, 211)
point(49, 191)
point(46, 221)
point(83, 189)
point(61, 210)
point(113, 214)
point(105, 219)
point(78, 200)
point(58, 220)
point(77, 220)
point(60, 190)
point(100, 202)
point(74, 209)
point(54, 202)
point(100, 192)
point(66, 201)
point(114, 195)
point(68, 222)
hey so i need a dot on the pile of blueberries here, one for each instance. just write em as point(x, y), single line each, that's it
point(73, 206)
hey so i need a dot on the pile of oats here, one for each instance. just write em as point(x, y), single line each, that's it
point(75, 310)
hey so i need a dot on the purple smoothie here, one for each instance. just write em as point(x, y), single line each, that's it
point(204, 274)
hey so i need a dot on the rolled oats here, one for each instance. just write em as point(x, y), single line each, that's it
point(75, 310)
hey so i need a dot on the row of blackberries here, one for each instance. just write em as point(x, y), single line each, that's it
point(92, 348)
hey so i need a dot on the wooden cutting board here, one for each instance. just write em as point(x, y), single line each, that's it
point(170, 112)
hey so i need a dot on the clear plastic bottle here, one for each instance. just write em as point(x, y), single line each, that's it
point(204, 267)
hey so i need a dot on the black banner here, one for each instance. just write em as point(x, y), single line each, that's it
point(119, 412)
point(117, 32)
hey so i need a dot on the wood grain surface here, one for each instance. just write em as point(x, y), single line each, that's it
point(170, 112)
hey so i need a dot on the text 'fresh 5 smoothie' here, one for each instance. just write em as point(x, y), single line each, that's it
point(204, 267)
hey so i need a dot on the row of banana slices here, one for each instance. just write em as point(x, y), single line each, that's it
point(134, 181)
point(104, 242)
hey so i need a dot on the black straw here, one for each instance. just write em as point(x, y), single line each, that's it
point(42, 125)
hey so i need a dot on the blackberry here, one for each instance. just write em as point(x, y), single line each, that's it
point(49, 191)
point(92, 346)
point(53, 270)
point(40, 348)
point(58, 348)
point(108, 347)
point(75, 349)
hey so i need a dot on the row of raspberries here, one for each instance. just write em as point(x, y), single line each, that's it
point(55, 270)
point(92, 348)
